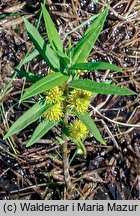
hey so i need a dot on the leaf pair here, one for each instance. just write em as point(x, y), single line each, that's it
point(56, 56)
point(38, 109)
point(34, 113)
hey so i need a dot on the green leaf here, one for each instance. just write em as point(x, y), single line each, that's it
point(101, 88)
point(27, 118)
point(44, 84)
point(96, 66)
point(44, 50)
point(85, 45)
point(29, 76)
point(91, 126)
point(40, 131)
point(53, 36)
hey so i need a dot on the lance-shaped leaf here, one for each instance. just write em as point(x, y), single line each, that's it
point(101, 88)
point(53, 36)
point(96, 66)
point(91, 126)
point(86, 43)
point(44, 84)
point(40, 131)
point(44, 50)
point(28, 117)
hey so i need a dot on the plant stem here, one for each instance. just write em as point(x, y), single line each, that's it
point(65, 151)
point(66, 168)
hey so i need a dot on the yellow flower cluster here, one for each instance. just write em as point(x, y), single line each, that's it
point(79, 100)
point(55, 113)
point(78, 130)
point(53, 96)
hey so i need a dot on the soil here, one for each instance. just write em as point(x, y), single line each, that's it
point(109, 172)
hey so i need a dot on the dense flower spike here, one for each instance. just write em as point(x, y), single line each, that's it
point(78, 130)
point(55, 113)
point(79, 100)
point(54, 95)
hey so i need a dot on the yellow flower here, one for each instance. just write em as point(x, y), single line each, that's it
point(81, 72)
point(78, 130)
point(55, 113)
point(79, 100)
point(54, 95)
